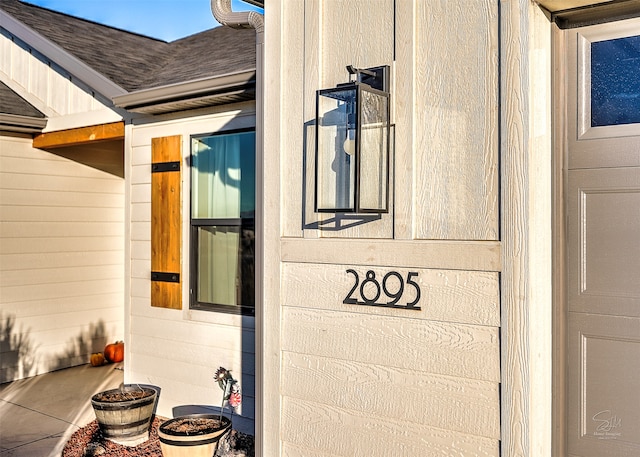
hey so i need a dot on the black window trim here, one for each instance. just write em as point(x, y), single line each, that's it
point(222, 222)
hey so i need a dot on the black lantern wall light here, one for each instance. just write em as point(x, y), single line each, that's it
point(352, 144)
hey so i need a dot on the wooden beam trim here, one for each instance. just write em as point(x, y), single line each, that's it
point(79, 136)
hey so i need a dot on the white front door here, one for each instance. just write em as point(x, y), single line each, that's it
point(602, 198)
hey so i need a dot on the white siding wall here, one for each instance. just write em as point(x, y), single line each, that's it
point(373, 381)
point(61, 260)
point(64, 99)
point(180, 350)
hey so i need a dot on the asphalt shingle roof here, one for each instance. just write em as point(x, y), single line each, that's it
point(213, 52)
point(12, 103)
point(136, 62)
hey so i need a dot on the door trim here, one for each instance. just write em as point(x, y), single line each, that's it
point(526, 236)
point(559, 230)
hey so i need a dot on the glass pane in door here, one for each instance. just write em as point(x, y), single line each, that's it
point(615, 81)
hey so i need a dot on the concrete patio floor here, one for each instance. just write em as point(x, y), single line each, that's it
point(39, 414)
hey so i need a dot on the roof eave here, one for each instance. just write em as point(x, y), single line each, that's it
point(64, 59)
point(563, 5)
point(258, 3)
point(21, 124)
point(180, 96)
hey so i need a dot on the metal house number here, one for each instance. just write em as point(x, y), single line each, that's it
point(370, 290)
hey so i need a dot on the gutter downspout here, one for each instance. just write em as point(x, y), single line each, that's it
point(222, 12)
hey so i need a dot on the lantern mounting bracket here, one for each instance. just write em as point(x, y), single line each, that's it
point(375, 77)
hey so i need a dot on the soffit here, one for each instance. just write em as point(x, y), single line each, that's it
point(561, 5)
point(107, 156)
point(578, 13)
point(194, 103)
point(98, 146)
point(224, 89)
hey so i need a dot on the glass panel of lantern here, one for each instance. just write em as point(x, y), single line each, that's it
point(374, 152)
point(335, 150)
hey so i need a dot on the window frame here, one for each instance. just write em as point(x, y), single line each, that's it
point(194, 224)
point(585, 38)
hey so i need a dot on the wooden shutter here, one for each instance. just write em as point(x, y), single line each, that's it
point(166, 222)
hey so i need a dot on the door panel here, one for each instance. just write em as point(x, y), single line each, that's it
point(602, 196)
point(604, 395)
point(604, 232)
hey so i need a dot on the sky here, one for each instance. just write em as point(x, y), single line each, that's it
point(164, 19)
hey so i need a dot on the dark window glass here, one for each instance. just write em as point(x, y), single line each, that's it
point(615, 82)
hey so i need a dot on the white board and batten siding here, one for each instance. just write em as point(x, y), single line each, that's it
point(61, 260)
point(357, 380)
point(66, 101)
point(180, 350)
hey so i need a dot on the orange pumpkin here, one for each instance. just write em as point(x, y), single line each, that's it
point(114, 352)
point(97, 359)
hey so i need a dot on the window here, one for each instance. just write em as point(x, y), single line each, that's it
point(608, 85)
point(222, 222)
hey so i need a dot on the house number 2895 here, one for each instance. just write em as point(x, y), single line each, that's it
point(370, 289)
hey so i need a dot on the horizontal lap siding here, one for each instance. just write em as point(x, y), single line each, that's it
point(57, 244)
point(54, 183)
point(63, 199)
point(196, 358)
point(61, 260)
point(180, 350)
point(445, 348)
point(181, 356)
point(404, 394)
point(346, 433)
point(411, 382)
point(468, 297)
point(67, 259)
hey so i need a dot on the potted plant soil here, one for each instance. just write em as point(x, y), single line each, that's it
point(198, 435)
point(124, 414)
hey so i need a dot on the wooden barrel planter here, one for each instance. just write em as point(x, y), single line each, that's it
point(194, 435)
point(124, 415)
